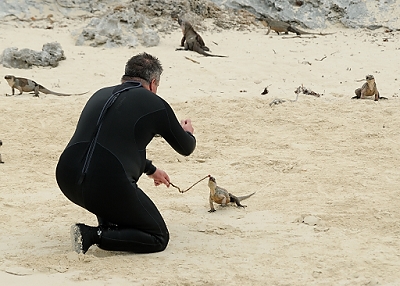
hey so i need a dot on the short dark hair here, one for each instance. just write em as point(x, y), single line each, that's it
point(143, 66)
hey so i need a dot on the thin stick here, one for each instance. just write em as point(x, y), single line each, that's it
point(192, 60)
point(190, 186)
point(179, 189)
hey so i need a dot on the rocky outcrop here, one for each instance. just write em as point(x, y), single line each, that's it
point(107, 23)
point(113, 23)
point(50, 55)
point(318, 13)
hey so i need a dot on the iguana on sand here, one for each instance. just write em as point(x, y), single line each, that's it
point(223, 197)
point(282, 27)
point(192, 41)
point(28, 85)
point(369, 88)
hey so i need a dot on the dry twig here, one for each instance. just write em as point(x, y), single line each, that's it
point(304, 90)
point(192, 60)
point(183, 191)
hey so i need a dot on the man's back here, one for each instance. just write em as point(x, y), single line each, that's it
point(129, 124)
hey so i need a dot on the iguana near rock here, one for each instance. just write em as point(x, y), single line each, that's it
point(223, 197)
point(192, 41)
point(28, 85)
point(282, 27)
point(369, 88)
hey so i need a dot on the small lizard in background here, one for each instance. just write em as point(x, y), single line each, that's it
point(369, 88)
point(282, 27)
point(28, 85)
point(192, 41)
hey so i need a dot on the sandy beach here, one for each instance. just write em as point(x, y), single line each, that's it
point(325, 169)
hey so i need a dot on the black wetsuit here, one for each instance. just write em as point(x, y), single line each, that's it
point(101, 164)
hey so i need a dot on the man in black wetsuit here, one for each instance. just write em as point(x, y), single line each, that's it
point(105, 157)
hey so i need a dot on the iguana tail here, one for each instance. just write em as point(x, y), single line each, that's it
point(237, 200)
point(296, 31)
point(245, 197)
point(198, 49)
point(47, 91)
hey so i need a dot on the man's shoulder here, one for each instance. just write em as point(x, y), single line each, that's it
point(148, 95)
point(105, 90)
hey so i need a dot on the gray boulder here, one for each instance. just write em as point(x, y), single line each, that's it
point(119, 28)
point(50, 55)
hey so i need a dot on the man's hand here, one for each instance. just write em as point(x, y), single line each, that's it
point(160, 177)
point(187, 125)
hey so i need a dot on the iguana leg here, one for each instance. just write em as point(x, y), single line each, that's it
point(233, 198)
point(358, 93)
point(212, 209)
point(225, 201)
point(362, 96)
point(36, 90)
point(20, 90)
point(377, 96)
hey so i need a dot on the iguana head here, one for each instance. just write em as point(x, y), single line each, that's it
point(180, 20)
point(369, 77)
point(10, 79)
point(185, 25)
point(211, 182)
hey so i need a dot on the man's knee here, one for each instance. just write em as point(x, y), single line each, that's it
point(163, 239)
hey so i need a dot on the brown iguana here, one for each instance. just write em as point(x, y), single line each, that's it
point(192, 41)
point(369, 88)
point(282, 27)
point(223, 197)
point(28, 85)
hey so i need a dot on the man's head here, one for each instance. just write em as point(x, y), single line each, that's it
point(144, 68)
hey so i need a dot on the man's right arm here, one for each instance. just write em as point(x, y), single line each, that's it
point(178, 135)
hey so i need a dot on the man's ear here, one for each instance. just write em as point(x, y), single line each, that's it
point(153, 85)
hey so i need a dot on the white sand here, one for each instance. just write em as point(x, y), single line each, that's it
point(329, 157)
